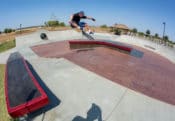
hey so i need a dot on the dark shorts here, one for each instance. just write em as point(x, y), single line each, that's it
point(82, 24)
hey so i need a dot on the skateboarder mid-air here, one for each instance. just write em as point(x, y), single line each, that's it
point(76, 23)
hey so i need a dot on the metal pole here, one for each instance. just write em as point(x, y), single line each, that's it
point(20, 28)
point(164, 29)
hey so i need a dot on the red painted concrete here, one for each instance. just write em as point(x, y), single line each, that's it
point(151, 75)
point(56, 49)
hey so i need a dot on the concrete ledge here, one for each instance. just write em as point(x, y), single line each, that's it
point(23, 92)
point(100, 43)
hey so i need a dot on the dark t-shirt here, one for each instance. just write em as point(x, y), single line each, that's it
point(76, 18)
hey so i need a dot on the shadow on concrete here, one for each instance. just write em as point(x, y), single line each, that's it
point(94, 114)
point(53, 100)
point(84, 49)
point(136, 53)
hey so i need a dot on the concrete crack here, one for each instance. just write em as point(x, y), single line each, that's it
point(117, 104)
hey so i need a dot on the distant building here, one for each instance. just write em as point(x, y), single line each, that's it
point(123, 28)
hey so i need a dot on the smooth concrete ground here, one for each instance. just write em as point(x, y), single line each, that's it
point(76, 88)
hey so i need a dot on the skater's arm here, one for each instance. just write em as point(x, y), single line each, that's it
point(91, 18)
point(71, 18)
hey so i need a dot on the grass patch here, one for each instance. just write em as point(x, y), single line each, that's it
point(3, 111)
point(7, 45)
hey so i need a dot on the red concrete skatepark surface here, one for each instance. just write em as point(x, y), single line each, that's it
point(151, 75)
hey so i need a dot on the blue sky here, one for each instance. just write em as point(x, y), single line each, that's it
point(142, 14)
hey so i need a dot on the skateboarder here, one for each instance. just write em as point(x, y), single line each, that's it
point(76, 23)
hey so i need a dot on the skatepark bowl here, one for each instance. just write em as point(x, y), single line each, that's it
point(72, 77)
point(134, 67)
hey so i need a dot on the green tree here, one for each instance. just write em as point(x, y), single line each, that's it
point(0, 32)
point(148, 32)
point(156, 35)
point(134, 31)
point(166, 38)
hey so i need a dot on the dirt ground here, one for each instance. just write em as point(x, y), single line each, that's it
point(11, 36)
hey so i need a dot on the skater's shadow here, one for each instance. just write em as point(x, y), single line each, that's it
point(94, 114)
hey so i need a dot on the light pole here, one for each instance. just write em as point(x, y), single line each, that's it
point(20, 27)
point(164, 25)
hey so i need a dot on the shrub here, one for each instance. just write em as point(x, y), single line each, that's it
point(62, 24)
point(0, 32)
point(104, 26)
point(141, 34)
point(8, 30)
point(52, 23)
